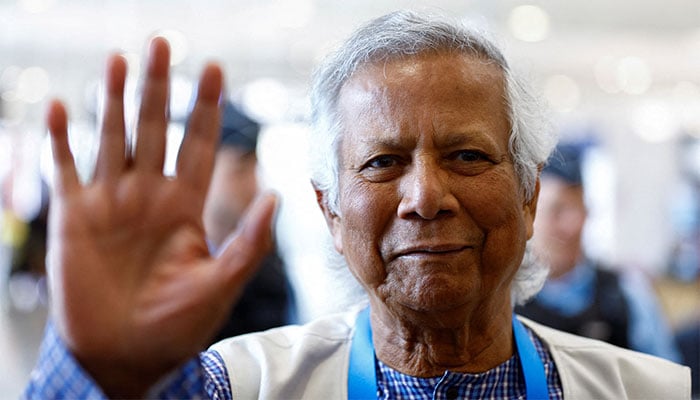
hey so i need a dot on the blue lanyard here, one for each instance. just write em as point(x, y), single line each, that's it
point(530, 363)
point(362, 378)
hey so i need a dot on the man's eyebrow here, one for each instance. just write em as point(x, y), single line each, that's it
point(461, 138)
point(385, 141)
point(455, 139)
point(467, 137)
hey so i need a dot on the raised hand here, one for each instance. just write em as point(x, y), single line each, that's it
point(134, 290)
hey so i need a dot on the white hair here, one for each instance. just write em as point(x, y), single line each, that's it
point(406, 34)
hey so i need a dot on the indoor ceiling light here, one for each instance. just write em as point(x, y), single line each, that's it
point(529, 23)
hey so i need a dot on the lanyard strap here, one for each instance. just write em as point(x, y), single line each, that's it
point(362, 377)
point(530, 363)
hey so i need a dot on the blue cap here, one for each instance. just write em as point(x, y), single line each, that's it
point(565, 164)
point(237, 129)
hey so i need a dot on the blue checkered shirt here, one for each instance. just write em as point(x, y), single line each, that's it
point(59, 376)
point(503, 382)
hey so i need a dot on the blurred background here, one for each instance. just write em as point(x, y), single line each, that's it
point(622, 77)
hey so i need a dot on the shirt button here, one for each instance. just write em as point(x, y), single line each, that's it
point(452, 393)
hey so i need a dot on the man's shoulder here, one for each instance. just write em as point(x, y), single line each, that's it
point(560, 341)
point(324, 334)
point(604, 370)
point(296, 361)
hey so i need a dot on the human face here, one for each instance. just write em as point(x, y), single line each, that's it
point(431, 217)
point(559, 224)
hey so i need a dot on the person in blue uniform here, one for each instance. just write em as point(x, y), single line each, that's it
point(583, 296)
point(267, 300)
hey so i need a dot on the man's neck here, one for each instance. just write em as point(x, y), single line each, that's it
point(417, 347)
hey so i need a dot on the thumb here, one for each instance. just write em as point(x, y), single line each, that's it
point(251, 242)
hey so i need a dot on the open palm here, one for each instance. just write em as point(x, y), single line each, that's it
point(134, 289)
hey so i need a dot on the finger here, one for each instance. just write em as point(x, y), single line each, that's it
point(153, 120)
point(251, 242)
point(110, 159)
point(65, 174)
point(196, 159)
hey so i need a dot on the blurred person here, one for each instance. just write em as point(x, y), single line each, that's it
point(685, 257)
point(267, 300)
point(685, 215)
point(24, 239)
point(29, 256)
point(688, 338)
point(582, 296)
point(426, 150)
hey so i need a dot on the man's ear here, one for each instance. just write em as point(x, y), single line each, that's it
point(332, 219)
point(530, 208)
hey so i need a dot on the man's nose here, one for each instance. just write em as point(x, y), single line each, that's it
point(426, 192)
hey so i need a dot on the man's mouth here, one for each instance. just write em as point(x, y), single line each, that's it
point(431, 250)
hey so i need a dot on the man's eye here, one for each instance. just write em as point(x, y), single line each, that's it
point(469, 156)
point(381, 162)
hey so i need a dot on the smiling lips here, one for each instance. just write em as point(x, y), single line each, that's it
point(431, 250)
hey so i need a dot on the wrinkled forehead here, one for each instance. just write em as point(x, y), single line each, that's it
point(472, 65)
point(450, 91)
point(446, 75)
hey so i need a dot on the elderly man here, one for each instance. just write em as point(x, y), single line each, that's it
point(427, 151)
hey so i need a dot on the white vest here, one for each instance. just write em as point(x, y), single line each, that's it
point(311, 362)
